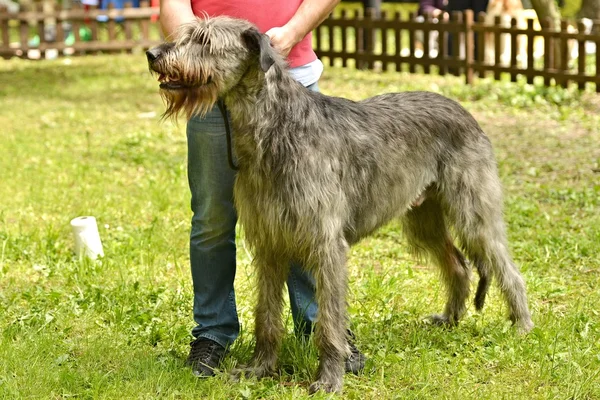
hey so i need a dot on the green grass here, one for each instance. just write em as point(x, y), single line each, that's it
point(83, 137)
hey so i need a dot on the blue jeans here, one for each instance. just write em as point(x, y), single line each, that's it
point(212, 238)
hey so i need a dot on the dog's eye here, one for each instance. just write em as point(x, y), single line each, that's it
point(199, 36)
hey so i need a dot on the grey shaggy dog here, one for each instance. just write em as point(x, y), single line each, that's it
point(318, 173)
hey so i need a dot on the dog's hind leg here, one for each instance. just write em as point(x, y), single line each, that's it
point(475, 206)
point(330, 330)
point(485, 279)
point(427, 234)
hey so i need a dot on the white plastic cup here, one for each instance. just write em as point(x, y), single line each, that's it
point(87, 238)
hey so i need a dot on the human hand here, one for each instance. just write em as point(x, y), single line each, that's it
point(283, 39)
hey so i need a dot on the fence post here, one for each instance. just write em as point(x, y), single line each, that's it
point(596, 31)
point(94, 25)
point(372, 11)
point(398, 40)
point(5, 44)
point(24, 35)
point(111, 24)
point(359, 48)
point(460, 42)
point(469, 46)
point(443, 40)
point(344, 17)
point(563, 64)
point(426, 39)
point(384, 43)
point(547, 29)
point(60, 32)
point(76, 24)
point(145, 24)
point(530, 73)
point(127, 26)
point(456, 39)
point(514, 35)
point(369, 35)
point(481, 44)
point(497, 47)
point(582, 56)
point(412, 45)
point(331, 32)
point(41, 24)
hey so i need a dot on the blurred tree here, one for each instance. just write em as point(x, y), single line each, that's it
point(589, 9)
point(546, 8)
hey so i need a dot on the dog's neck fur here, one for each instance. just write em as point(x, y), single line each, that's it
point(259, 94)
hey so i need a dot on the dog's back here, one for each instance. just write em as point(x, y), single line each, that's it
point(402, 144)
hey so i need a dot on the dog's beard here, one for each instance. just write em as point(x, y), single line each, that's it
point(190, 101)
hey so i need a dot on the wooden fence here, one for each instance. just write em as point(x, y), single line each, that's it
point(78, 31)
point(465, 45)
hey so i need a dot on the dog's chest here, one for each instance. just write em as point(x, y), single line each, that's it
point(268, 211)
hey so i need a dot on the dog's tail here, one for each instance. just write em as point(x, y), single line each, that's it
point(485, 279)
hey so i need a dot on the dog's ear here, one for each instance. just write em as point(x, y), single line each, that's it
point(261, 44)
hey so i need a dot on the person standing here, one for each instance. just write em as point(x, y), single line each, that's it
point(478, 6)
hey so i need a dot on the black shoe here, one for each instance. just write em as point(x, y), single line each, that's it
point(355, 362)
point(205, 355)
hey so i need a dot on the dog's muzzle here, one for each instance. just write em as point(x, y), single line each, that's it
point(153, 54)
point(166, 82)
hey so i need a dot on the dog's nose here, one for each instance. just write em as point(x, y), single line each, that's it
point(153, 54)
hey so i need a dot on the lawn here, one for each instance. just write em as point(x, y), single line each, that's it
point(83, 137)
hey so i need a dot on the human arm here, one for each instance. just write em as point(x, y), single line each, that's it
point(308, 16)
point(174, 13)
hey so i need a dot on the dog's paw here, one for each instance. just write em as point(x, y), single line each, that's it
point(440, 320)
point(523, 326)
point(325, 386)
point(252, 372)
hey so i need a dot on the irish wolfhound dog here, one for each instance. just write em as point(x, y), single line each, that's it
point(318, 173)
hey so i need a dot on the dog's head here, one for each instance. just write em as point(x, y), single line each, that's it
point(206, 60)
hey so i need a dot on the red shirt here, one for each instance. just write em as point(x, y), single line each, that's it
point(264, 14)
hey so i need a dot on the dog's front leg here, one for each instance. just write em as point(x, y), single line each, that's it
point(331, 328)
point(269, 328)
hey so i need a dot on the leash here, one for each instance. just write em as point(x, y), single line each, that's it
point(223, 110)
